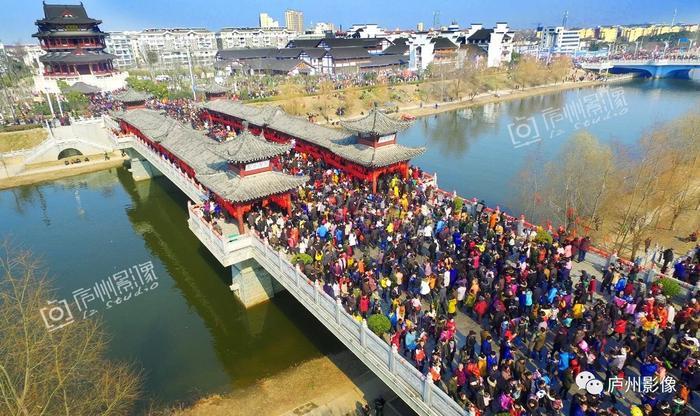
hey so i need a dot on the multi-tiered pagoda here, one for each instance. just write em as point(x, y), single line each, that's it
point(74, 46)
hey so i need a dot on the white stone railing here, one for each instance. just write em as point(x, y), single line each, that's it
point(178, 177)
point(417, 390)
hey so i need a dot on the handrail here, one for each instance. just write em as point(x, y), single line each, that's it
point(414, 387)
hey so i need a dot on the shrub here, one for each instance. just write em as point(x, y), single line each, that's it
point(379, 324)
point(301, 258)
point(670, 288)
point(457, 204)
point(543, 236)
point(19, 127)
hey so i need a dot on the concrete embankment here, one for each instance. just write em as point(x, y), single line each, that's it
point(43, 172)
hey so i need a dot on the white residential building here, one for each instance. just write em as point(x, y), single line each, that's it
point(124, 46)
point(496, 43)
point(322, 28)
point(420, 51)
point(365, 30)
point(500, 48)
point(557, 39)
point(232, 38)
point(266, 21)
point(171, 46)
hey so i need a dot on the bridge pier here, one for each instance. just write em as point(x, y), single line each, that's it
point(141, 169)
point(252, 284)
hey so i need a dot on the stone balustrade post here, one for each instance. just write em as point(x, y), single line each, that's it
point(393, 353)
point(427, 387)
point(317, 290)
point(297, 277)
point(338, 310)
point(363, 333)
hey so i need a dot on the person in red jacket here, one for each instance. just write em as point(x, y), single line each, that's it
point(364, 305)
point(620, 328)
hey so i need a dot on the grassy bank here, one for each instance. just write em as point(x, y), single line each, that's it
point(17, 140)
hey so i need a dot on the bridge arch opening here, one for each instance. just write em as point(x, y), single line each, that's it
point(70, 152)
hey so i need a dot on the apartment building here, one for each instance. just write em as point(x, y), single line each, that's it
point(232, 38)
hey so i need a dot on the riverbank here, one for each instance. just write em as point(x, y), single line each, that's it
point(334, 385)
point(429, 108)
point(504, 95)
point(56, 170)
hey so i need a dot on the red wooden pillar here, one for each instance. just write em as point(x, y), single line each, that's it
point(403, 168)
point(374, 181)
point(239, 218)
point(288, 200)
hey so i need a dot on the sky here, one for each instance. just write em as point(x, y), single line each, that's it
point(18, 16)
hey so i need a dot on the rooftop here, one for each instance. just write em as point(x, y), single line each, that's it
point(132, 96)
point(247, 148)
point(376, 123)
point(340, 142)
point(76, 56)
point(205, 156)
point(66, 14)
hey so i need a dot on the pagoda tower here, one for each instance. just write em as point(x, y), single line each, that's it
point(75, 48)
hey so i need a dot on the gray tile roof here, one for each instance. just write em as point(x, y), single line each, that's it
point(66, 14)
point(131, 96)
point(377, 123)
point(340, 142)
point(247, 147)
point(350, 52)
point(209, 158)
point(84, 88)
point(76, 56)
point(213, 88)
point(274, 64)
point(236, 188)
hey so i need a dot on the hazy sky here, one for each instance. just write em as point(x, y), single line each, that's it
point(18, 16)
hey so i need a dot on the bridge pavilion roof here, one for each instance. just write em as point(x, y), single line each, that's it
point(131, 96)
point(377, 123)
point(247, 148)
point(213, 88)
point(209, 158)
point(340, 142)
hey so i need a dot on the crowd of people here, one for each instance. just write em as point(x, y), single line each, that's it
point(413, 254)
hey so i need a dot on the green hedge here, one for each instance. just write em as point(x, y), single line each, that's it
point(19, 127)
point(301, 258)
point(670, 288)
point(379, 324)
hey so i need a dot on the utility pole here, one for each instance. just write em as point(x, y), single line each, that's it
point(60, 107)
point(48, 99)
point(189, 64)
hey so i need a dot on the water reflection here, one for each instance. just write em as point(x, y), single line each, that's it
point(473, 152)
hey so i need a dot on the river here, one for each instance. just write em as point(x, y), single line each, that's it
point(475, 154)
point(188, 333)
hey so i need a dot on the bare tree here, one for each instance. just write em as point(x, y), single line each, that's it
point(61, 372)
